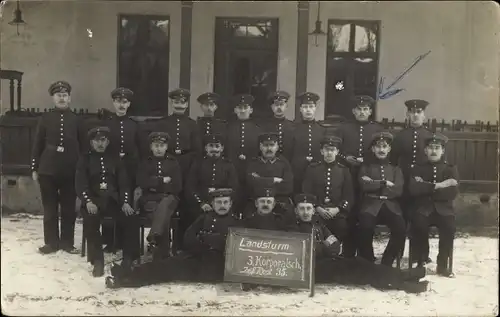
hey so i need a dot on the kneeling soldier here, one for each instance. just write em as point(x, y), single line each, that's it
point(265, 214)
point(381, 184)
point(160, 179)
point(102, 184)
point(331, 183)
point(204, 260)
point(434, 186)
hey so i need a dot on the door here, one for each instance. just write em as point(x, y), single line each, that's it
point(246, 59)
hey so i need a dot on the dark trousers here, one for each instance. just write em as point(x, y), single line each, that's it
point(420, 235)
point(350, 243)
point(57, 191)
point(338, 226)
point(92, 224)
point(185, 161)
point(396, 224)
point(161, 215)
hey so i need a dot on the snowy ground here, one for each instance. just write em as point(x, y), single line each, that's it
point(61, 284)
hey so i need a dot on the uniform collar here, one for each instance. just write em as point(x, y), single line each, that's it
point(272, 160)
point(308, 121)
point(330, 164)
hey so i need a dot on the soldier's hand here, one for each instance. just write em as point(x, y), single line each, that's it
point(211, 189)
point(452, 182)
point(91, 208)
point(167, 179)
point(359, 159)
point(332, 212)
point(34, 175)
point(206, 207)
point(352, 160)
point(366, 179)
point(127, 209)
point(321, 211)
point(255, 175)
point(242, 157)
point(389, 184)
point(419, 179)
point(278, 180)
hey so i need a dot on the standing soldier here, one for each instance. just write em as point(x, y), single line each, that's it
point(434, 185)
point(331, 183)
point(280, 124)
point(381, 184)
point(356, 136)
point(124, 142)
point(242, 141)
point(55, 155)
point(306, 138)
point(208, 124)
point(102, 185)
point(408, 149)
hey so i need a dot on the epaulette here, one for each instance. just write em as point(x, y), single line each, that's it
point(316, 163)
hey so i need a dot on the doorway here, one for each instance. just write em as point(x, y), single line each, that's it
point(246, 61)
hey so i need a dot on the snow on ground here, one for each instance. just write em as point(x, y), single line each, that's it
point(61, 284)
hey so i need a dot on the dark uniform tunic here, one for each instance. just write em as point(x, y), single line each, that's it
point(57, 144)
point(433, 206)
point(306, 144)
point(277, 219)
point(321, 233)
point(379, 204)
point(211, 125)
point(101, 178)
point(284, 128)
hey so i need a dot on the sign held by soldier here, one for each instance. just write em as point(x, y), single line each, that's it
point(270, 258)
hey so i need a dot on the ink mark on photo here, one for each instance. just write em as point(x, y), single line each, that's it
point(386, 93)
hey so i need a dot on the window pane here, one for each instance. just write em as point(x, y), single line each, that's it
point(365, 76)
point(338, 90)
point(365, 39)
point(338, 37)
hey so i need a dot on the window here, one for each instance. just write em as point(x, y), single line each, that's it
point(352, 64)
point(143, 61)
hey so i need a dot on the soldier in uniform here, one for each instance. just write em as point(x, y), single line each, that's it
point(102, 185)
point(160, 179)
point(209, 124)
point(211, 172)
point(124, 141)
point(280, 124)
point(56, 148)
point(356, 136)
point(434, 186)
point(242, 143)
point(205, 244)
point(381, 185)
point(408, 149)
point(265, 214)
point(331, 183)
point(306, 139)
point(271, 171)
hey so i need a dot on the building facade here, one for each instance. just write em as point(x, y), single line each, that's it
point(240, 46)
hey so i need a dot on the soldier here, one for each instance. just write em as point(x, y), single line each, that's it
point(124, 141)
point(160, 179)
point(381, 184)
point(331, 183)
point(356, 136)
point(408, 149)
point(208, 174)
point(56, 149)
point(434, 185)
point(102, 185)
point(306, 139)
point(242, 143)
point(209, 124)
point(280, 124)
point(265, 214)
point(204, 260)
point(271, 171)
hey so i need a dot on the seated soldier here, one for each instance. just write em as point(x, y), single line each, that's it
point(381, 184)
point(101, 183)
point(330, 268)
point(331, 183)
point(434, 186)
point(265, 214)
point(209, 173)
point(159, 177)
point(204, 259)
point(270, 170)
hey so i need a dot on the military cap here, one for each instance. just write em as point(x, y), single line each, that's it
point(179, 93)
point(331, 140)
point(158, 137)
point(212, 138)
point(279, 95)
point(436, 138)
point(308, 97)
point(267, 136)
point(305, 198)
point(416, 104)
point(59, 86)
point(382, 136)
point(264, 192)
point(122, 92)
point(363, 100)
point(244, 99)
point(208, 98)
point(221, 192)
point(96, 132)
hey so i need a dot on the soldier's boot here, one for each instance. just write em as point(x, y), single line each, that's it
point(70, 249)
point(442, 267)
point(47, 249)
point(414, 287)
point(98, 269)
point(414, 274)
point(112, 282)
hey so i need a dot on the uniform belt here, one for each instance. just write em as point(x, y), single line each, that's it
point(377, 197)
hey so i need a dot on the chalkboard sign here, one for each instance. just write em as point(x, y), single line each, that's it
point(270, 258)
